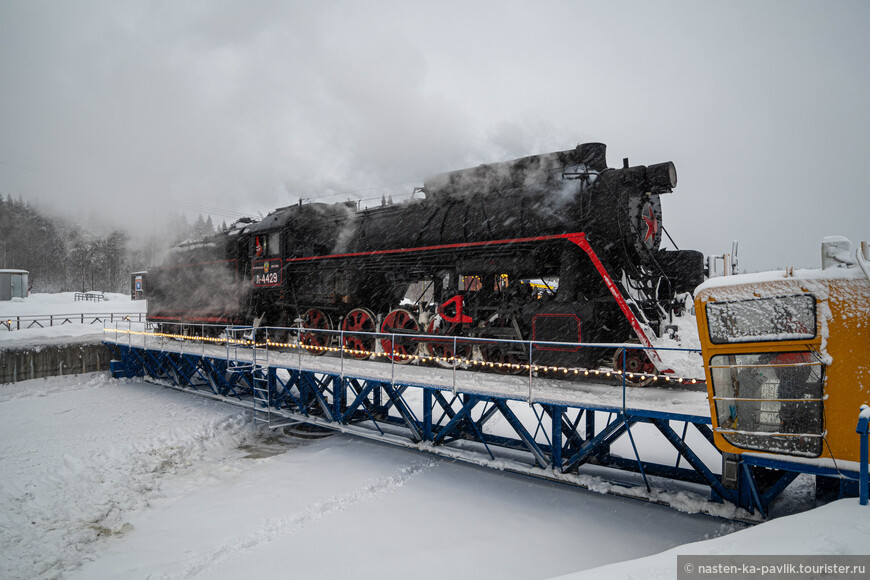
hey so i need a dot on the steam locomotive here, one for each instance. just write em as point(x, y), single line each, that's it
point(554, 247)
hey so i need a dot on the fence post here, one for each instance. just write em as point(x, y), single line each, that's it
point(530, 373)
point(862, 429)
point(393, 359)
point(341, 353)
point(454, 364)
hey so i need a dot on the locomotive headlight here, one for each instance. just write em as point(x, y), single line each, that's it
point(661, 177)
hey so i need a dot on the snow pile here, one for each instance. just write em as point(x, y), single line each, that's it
point(684, 363)
point(71, 476)
point(839, 528)
point(836, 252)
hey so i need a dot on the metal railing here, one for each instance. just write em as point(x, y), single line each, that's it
point(458, 353)
point(90, 296)
point(11, 323)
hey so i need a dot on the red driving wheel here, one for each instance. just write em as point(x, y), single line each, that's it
point(316, 342)
point(359, 346)
point(400, 322)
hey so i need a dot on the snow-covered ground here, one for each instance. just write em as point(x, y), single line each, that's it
point(123, 479)
point(66, 310)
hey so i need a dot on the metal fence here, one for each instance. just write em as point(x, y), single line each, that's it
point(11, 323)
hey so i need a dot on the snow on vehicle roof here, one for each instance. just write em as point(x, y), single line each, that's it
point(849, 272)
point(837, 264)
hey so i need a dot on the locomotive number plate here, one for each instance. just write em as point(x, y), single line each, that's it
point(266, 272)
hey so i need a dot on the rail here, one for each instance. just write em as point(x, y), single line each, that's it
point(47, 320)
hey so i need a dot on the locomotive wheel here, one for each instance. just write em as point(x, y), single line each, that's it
point(361, 346)
point(442, 351)
point(637, 365)
point(402, 350)
point(506, 355)
point(316, 343)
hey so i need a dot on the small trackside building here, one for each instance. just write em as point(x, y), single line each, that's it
point(13, 284)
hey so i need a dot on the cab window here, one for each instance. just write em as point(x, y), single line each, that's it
point(267, 245)
point(770, 401)
point(762, 319)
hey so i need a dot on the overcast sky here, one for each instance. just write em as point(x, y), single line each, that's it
point(136, 108)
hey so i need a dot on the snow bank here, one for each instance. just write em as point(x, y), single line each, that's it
point(839, 528)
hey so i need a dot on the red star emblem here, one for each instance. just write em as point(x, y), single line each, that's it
point(652, 224)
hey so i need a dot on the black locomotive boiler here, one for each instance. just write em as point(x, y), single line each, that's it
point(555, 247)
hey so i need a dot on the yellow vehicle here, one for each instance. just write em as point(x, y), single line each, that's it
point(787, 356)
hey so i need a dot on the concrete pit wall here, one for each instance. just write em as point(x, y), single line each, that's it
point(36, 362)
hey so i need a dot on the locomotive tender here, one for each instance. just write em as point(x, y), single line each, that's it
point(468, 249)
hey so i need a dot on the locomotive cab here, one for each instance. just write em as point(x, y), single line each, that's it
point(785, 359)
point(266, 275)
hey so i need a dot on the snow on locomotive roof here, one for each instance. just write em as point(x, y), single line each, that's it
point(188, 245)
point(275, 219)
point(587, 158)
point(239, 226)
point(280, 217)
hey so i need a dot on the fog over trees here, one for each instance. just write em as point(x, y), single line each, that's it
point(63, 256)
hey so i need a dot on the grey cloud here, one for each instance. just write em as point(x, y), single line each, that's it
point(124, 107)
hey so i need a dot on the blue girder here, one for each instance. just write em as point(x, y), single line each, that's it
point(555, 440)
